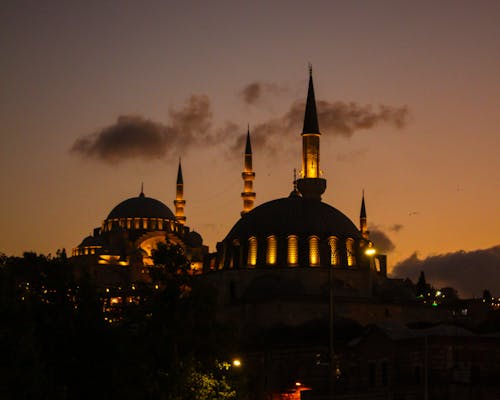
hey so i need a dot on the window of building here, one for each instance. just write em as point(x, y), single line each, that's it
point(334, 255)
point(293, 251)
point(314, 251)
point(252, 251)
point(351, 257)
point(271, 250)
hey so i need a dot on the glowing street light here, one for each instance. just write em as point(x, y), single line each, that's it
point(370, 251)
point(236, 362)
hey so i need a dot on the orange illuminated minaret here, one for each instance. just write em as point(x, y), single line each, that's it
point(248, 176)
point(311, 185)
point(363, 226)
point(179, 201)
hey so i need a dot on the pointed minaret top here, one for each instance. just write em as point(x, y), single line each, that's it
point(179, 174)
point(362, 214)
point(248, 148)
point(311, 116)
point(142, 190)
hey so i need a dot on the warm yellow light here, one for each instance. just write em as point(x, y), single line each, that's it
point(237, 362)
point(334, 257)
point(298, 384)
point(271, 250)
point(370, 251)
point(252, 251)
point(292, 250)
point(314, 251)
point(351, 259)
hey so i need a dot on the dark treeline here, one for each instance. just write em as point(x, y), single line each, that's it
point(56, 343)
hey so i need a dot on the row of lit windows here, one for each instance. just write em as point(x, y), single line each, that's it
point(81, 251)
point(139, 223)
point(293, 251)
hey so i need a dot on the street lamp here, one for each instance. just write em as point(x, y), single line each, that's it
point(237, 363)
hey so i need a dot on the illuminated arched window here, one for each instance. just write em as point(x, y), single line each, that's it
point(334, 253)
point(252, 251)
point(145, 223)
point(271, 250)
point(314, 251)
point(137, 223)
point(293, 251)
point(129, 223)
point(160, 224)
point(351, 257)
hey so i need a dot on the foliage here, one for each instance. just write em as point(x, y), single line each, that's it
point(56, 344)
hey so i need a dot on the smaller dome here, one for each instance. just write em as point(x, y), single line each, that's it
point(141, 207)
point(194, 239)
point(91, 241)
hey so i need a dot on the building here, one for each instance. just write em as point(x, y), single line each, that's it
point(297, 280)
point(119, 251)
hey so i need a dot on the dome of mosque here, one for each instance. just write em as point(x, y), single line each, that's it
point(294, 215)
point(141, 207)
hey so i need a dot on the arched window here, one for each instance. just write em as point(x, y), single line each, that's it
point(334, 253)
point(314, 251)
point(293, 251)
point(271, 250)
point(252, 252)
point(351, 257)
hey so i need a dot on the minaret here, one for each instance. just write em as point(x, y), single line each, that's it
point(363, 226)
point(179, 201)
point(311, 186)
point(248, 176)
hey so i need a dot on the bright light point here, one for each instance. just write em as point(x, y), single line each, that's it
point(298, 384)
point(438, 293)
point(370, 252)
point(237, 362)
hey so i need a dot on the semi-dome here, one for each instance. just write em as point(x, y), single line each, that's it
point(141, 207)
point(294, 215)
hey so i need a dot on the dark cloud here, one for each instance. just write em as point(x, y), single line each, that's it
point(336, 119)
point(254, 92)
point(137, 137)
point(344, 119)
point(396, 227)
point(382, 242)
point(468, 272)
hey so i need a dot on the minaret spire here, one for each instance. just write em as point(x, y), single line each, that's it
point(311, 185)
point(179, 201)
point(248, 195)
point(363, 226)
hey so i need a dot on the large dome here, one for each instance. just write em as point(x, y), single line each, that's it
point(141, 207)
point(294, 215)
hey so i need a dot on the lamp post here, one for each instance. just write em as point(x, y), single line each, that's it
point(330, 313)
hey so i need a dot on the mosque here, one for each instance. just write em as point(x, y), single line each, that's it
point(288, 274)
point(290, 251)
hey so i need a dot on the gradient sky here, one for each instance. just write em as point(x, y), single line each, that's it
point(70, 69)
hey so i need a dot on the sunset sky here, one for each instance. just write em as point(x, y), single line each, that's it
point(410, 112)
